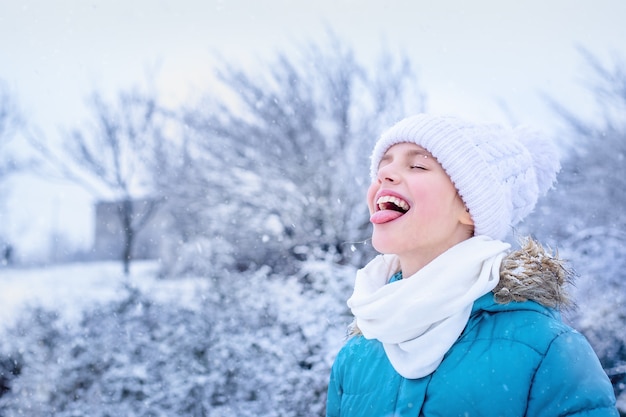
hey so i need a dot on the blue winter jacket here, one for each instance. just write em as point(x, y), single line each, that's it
point(514, 359)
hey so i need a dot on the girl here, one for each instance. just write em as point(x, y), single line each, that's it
point(448, 321)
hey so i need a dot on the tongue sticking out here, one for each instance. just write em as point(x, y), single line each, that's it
point(389, 208)
point(385, 216)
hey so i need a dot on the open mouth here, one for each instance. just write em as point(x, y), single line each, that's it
point(389, 202)
point(389, 208)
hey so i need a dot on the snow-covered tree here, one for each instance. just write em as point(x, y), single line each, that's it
point(10, 163)
point(279, 166)
point(585, 215)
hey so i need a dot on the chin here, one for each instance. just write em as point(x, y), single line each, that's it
point(383, 245)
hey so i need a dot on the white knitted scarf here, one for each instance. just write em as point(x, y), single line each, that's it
point(420, 317)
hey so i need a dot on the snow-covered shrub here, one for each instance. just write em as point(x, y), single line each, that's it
point(252, 344)
point(600, 259)
point(33, 346)
point(277, 163)
point(10, 368)
point(584, 217)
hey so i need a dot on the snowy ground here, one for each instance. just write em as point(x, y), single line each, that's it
point(72, 287)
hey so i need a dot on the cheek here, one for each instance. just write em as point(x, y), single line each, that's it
point(439, 199)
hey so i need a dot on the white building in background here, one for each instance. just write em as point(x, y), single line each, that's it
point(109, 233)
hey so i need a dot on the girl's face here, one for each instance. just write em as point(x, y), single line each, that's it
point(415, 209)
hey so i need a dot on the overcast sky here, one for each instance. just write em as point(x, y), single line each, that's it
point(469, 56)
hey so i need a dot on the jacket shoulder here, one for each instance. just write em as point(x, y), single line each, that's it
point(526, 323)
point(529, 360)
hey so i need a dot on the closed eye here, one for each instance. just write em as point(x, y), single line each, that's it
point(418, 167)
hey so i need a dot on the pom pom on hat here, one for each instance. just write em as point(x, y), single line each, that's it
point(499, 172)
point(546, 159)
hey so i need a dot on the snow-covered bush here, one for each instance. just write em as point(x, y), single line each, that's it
point(584, 218)
point(276, 164)
point(600, 258)
point(251, 344)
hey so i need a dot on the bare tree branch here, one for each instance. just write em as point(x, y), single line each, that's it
point(112, 154)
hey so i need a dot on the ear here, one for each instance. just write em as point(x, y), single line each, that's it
point(466, 217)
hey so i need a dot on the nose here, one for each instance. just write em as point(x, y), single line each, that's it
point(387, 173)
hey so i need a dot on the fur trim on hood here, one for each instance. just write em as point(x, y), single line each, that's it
point(529, 273)
point(534, 273)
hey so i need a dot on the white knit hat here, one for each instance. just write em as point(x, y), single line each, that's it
point(499, 172)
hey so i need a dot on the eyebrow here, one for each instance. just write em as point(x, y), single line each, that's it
point(415, 152)
point(410, 153)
